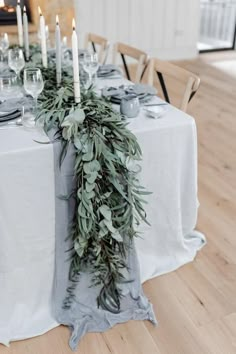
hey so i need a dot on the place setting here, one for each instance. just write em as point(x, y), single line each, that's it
point(109, 71)
point(133, 98)
point(18, 105)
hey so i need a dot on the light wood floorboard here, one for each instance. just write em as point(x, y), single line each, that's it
point(196, 305)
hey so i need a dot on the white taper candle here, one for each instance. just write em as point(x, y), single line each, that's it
point(43, 39)
point(75, 55)
point(26, 34)
point(58, 50)
point(19, 23)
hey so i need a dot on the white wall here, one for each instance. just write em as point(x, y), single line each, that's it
point(164, 28)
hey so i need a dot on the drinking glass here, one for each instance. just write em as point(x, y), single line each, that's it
point(130, 106)
point(64, 43)
point(66, 57)
point(16, 60)
point(4, 43)
point(47, 36)
point(90, 65)
point(8, 86)
point(2, 62)
point(33, 85)
point(46, 32)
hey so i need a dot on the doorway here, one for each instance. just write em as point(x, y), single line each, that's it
point(217, 25)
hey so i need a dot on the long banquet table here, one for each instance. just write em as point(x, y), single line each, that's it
point(27, 214)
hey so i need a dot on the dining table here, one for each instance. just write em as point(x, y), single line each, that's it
point(168, 170)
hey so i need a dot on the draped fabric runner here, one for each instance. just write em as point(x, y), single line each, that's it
point(84, 316)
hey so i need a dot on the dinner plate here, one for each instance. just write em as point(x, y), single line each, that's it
point(7, 116)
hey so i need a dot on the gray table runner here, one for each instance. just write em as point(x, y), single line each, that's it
point(84, 316)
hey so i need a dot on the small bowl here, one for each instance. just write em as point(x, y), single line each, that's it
point(155, 112)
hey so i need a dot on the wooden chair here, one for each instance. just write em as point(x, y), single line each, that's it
point(140, 56)
point(95, 41)
point(165, 69)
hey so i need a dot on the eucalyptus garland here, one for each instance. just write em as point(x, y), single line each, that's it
point(109, 200)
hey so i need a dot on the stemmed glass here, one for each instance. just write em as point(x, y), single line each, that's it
point(90, 65)
point(16, 60)
point(4, 43)
point(64, 48)
point(33, 85)
point(47, 36)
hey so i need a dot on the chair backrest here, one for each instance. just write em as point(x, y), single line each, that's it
point(99, 44)
point(126, 50)
point(163, 69)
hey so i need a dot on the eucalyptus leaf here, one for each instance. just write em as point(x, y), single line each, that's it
point(90, 187)
point(79, 115)
point(88, 156)
point(93, 166)
point(77, 143)
point(105, 211)
point(91, 178)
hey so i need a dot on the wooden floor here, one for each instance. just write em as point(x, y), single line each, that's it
point(196, 305)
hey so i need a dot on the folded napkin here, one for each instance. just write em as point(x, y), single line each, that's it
point(109, 70)
point(142, 89)
point(16, 103)
point(143, 92)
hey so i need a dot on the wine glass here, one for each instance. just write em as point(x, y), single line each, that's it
point(90, 65)
point(4, 42)
point(16, 60)
point(4, 45)
point(47, 36)
point(64, 43)
point(33, 85)
point(65, 52)
point(46, 33)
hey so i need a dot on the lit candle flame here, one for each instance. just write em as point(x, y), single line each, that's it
point(73, 24)
point(18, 2)
point(39, 10)
point(2, 3)
point(57, 20)
point(24, 9)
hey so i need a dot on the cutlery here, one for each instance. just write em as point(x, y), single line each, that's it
point(155, 104)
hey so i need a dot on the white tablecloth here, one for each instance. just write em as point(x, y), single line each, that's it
point(27, 215)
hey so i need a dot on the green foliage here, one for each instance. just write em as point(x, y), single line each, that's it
point(109, 200)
